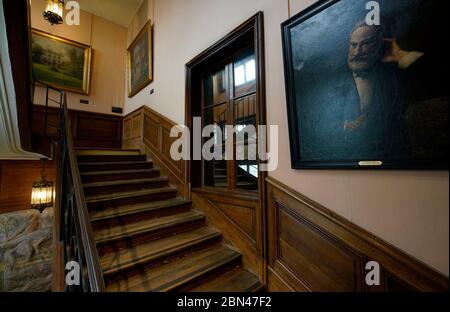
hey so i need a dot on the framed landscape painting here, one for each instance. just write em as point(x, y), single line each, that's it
point(140, 58)
point(368, 93)
point(61, 63)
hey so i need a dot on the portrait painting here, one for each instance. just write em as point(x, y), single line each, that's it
point(365, 92)
point(61, 63)
point(140, 71)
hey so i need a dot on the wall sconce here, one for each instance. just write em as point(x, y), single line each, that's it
point(54, 11)
point(42, 193)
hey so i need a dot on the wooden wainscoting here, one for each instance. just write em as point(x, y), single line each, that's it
point(312, 249)
point(89, 130)
point(149, 131)
point(237, 216)
point(16, 181)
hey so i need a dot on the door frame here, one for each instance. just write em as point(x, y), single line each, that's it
point(251, 31)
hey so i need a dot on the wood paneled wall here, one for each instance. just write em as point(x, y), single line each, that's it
point(89, 130)
point(312, 249)
point(149, 132)
point(305, 247)
point(16, 181)
point(237, 215)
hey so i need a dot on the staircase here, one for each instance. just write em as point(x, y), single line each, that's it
point(148, 238)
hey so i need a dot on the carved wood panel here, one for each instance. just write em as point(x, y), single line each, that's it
point(313, 249)
point(89, 130)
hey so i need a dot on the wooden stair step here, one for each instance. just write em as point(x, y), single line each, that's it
point(176, 274)
point(104, 201)
point(130, 230)
point(103, 187)
point(105, 152)
point(126, 210)
point(98, 176)
point(112, 263)
point(114, 165)
point(110, 158)
point(237, 280)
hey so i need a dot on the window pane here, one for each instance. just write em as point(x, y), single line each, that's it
point(244, 73)
point(246, 143)
point(247, 175)
point(216, 88)
point(215, 171)
point(250, 70)
point(239, 75)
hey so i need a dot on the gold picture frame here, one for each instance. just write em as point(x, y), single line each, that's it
point(140, 61)
point(61, 63)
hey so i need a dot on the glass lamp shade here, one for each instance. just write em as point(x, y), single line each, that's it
point(42, 194)
point(54, 11)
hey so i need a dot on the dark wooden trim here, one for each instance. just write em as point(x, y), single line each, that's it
point(17, 18)
point(58, 248)
point(148, 131)
point(250, 32)
point(90, 130)
point(327, 230)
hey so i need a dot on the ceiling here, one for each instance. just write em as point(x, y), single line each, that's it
point(120, 12)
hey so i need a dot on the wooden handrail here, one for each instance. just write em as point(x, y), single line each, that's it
point(94, 270)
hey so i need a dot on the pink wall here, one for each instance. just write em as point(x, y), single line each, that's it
point(408, 209)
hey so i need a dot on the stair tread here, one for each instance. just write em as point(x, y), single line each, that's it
point(154, 250)
point(123, 182)
point(124, 210)
point(122, 195)
point(145, 226)
point(99, 152)
point(237, 280)
point(170, 276)
point(118, 172)
point(88, 163)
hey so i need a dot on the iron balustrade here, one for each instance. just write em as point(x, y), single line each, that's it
point(75, 232)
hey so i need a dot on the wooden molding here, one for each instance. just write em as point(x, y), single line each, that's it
point(90, 130)
point(149, 131)
point(313, 249)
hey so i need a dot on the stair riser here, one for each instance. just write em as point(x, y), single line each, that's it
point(131, 200)
point(205, 279)
point(211, 273)
point(119, 176)
point(129, 242)
point(102, 224)
point(111, 167)
point(88, 191)
point(166, 258)
point(111, 158)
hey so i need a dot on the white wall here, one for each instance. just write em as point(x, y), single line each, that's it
point(408, 209)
